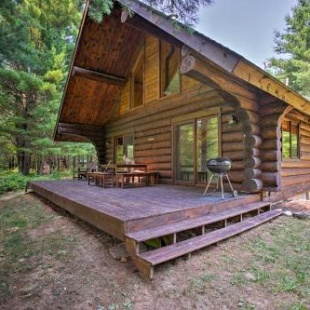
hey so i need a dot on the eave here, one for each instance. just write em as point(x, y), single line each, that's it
point(223, 58)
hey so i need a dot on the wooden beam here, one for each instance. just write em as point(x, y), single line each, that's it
point(262, 80)
point(80, 130)
point(98, 76)
point(205, 73)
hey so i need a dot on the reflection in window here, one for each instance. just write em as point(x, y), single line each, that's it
point(124, 146)
point(207, 144)
point(169, 69)
point(290, 140)
point(136, 82)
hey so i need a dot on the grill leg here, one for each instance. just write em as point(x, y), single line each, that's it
point(208, 185)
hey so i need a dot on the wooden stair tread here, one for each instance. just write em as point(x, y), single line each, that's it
point(159, 231)
point(158, 256)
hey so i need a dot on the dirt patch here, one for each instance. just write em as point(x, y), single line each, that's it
point(69, 266)
point(298, 205)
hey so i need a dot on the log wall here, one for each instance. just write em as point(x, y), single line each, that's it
point(295, 172)
point(152, 124)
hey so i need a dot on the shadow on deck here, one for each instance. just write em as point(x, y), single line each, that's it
point(121, 211)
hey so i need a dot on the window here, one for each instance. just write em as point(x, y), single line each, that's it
point(137, 82)
point(197, 141)
point(124, 146)
point(170, 80)
point(290, 140)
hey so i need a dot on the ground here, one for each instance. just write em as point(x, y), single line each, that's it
point(52, 260)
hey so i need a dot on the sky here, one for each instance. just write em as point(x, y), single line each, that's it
point(245, 26)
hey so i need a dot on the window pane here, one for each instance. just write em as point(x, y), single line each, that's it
point(290, 143)
point(286, 144)
point(137, 77)
point(169, 69)
point(124, 146)
point(185, 152)
point(207, 145)
point(129, 147)
point(119, 150)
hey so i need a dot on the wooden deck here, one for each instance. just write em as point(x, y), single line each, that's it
point(120, 211)
point(138, 215)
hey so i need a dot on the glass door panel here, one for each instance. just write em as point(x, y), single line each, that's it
point(185, 159)
point(207, 145)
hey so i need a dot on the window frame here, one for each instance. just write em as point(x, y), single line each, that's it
point(124, 147)
point(289, 124)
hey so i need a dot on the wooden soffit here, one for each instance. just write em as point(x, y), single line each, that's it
point(102, 61)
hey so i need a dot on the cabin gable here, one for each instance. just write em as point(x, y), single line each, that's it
point(142, 89)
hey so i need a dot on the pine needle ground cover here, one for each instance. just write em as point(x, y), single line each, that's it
point(51, 260)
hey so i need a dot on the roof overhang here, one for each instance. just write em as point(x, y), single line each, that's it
point(104, 56)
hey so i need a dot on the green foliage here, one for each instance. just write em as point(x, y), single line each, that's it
point(185, 10)
point(99, 8)
point(36, 42)
point(294, 47)
point(11, 182)
point(14, 181)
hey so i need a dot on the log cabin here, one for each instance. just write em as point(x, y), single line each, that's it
point(143, 86)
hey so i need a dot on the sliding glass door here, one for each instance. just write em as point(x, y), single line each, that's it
point(197, 141)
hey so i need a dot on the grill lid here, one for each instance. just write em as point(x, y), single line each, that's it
point(219, 165)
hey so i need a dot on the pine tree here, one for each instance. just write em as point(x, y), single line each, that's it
point(36, 40)
point(294, 46)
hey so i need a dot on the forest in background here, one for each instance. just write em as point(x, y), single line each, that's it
point(37, 39)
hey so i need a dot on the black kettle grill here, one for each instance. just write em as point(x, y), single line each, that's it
point(219, 167)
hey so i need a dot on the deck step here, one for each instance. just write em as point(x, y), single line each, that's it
point(164, 254)
point(168, 229)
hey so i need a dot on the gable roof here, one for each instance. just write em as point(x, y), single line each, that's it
point(103, 59)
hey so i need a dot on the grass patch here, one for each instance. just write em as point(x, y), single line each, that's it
point(19, 253)
point(282, 260)
point(13, 181)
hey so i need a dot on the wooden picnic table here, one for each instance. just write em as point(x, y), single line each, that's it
point(123, 175)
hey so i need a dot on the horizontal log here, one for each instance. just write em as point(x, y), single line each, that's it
point(236, 136)
point(252, 162)
point(270, 133)
point(269, 121)
point(193, 67)
point(238, 128)
point(232, 146)
point(233, 155)
point(252, 185)
point(252, 141)
point(270, 166)
point(153, 145)
point(295, 171)
point(154, 139)
point(237, 165)
point(305, 156)
point(98, 76)
point(252, 173)
point(295, 164)
point(305, 140)
point(236, 176)
point(271, 179)
point(270, 144)
point(154, 159)
point(247, 116)
point(273, 109)
point(251, 152)
point(152, 153)
point(251, 129)
point(295, 179)
point(147, 132)
point(271, 155)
